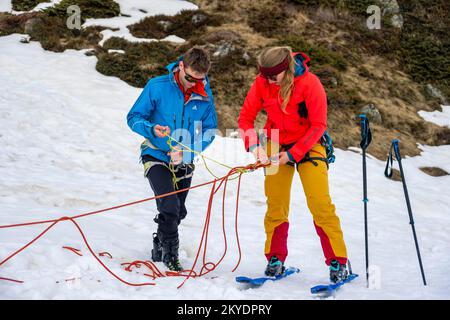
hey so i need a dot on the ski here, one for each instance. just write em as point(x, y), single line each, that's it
point(330, 289)
point(257, 282)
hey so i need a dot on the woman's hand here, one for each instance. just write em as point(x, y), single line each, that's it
point(260, 155)
point(282, 158)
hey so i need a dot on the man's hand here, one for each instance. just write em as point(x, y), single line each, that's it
point(176, 155)
point(161, 131)
point(281, 158)
point(260, 155)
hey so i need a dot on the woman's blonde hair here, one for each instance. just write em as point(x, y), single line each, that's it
point(273, 56)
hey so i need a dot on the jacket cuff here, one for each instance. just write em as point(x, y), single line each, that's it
point(296, 154)
point(290, 156)
point(152, 130)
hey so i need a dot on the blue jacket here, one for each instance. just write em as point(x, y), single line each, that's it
point(161, 102)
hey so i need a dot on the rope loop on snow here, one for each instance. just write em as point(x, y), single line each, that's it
point(152, 270)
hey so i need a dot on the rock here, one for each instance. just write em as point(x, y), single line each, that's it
point(397, 21)
point(391, 8)
point(372, 113)
point(222, 35)
point(31, 24)
point(25, 39)
point(3, 21)
point(333, 82)
point(436, 93)
point(328, 76)
point(90, 53)
point(325, 14)
point(198, 19)
point(246, 57)
point(224, 50)
point(166, 25)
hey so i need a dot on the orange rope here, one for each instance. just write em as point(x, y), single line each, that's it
point(155, 272)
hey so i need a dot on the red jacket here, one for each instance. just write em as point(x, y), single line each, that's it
point(303, 133)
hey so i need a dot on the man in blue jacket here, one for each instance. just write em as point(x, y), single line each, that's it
point(180, 105)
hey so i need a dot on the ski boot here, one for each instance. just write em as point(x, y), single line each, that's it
point(157, 249)
point(170, 255)
point(338, 272)
point(275, 267)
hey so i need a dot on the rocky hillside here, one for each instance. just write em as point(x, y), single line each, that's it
point(389, 74)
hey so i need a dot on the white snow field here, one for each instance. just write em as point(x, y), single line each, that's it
point(65, 149)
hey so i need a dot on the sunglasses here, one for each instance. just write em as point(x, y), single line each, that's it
point(192, 79)
point(271, 78)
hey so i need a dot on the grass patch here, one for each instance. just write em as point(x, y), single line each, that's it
point(26, 5)
point(396, 176)
point(231, 78)
point(185, 24)
point(89, 9)
point(424, 42)
point(11, 23)
point(319, 55)
point(339, 98)
point(52, 33)
point(270, 22)
point(355, 7)
point(421, 46)
point(140, 62)
point(434, 171)
point(443, 136)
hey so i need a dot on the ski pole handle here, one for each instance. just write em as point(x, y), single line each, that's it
point(366, 134)
point(396, 149)
point(390, 160)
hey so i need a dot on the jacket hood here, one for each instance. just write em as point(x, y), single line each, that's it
point(301, 67)
point(173, 65)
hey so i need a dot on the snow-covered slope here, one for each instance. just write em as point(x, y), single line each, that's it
point(65, 149)
point(5, 6)
point(440, 118)
point(134, 11)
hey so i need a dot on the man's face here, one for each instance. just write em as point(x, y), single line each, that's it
point(190, 77)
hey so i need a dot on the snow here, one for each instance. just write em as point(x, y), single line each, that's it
point(437, 117)
point(45, 5)
point(135, 10)
point(116, 51)
point(132, 11)
point(5, 6)
point(65, 149)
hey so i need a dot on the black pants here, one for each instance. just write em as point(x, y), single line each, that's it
point(172, 209)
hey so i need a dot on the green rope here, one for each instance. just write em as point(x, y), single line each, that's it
point(203, 157)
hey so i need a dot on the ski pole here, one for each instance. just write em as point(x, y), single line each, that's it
point(366, 138)
point(388, 174)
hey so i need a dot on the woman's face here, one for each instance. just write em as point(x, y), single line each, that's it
point(277, 79)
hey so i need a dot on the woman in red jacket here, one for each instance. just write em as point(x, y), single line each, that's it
point(296, 107)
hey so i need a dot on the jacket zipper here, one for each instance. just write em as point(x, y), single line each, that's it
point(188, 132)
point(182, 123)
point(182, 117)
point(174, 122)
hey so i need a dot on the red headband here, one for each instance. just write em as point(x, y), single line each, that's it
point(267, 72)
